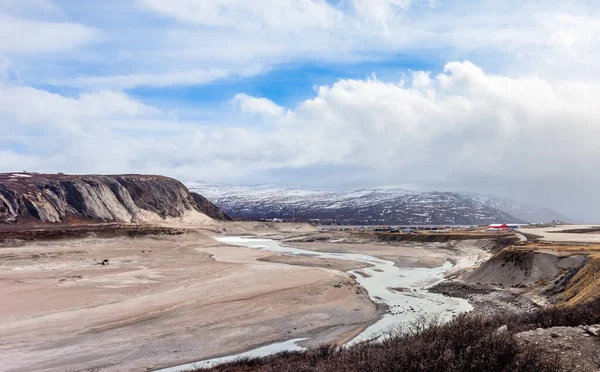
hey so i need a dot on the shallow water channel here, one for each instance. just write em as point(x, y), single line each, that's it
point(403, 290)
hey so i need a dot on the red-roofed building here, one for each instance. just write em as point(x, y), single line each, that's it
point(498, 227)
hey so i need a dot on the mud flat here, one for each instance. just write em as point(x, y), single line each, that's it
point(312, 261)
point(405, 306)
point(161, 300)
point(171, 294)
point(377, 280)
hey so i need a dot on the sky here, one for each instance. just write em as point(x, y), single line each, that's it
point(496, 97)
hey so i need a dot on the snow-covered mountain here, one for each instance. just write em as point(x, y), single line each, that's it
point(523, 211)
point(366, 206)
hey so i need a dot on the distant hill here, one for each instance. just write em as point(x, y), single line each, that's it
point(523, 211)
point(367, 206)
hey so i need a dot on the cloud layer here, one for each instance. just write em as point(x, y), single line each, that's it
point(142, 43)
point(520, 120)
point(461, 129)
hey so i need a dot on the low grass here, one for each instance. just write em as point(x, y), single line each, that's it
point(585, 284)
point(469, 343)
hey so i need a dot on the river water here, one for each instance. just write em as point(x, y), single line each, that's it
point(403, 290)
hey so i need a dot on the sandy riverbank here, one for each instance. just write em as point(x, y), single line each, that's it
point(463, 254)
point(161, 301)
point(181, 296)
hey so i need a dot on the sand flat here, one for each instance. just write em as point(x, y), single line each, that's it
point(326, 263)
point(562, 233)
point(161, 301)
point(404, 255)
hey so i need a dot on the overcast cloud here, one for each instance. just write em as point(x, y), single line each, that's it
point(508, 102)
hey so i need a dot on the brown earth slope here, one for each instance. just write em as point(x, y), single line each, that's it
point(557, 272)
point(521, 268)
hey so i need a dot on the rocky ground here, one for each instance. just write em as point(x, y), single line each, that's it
point(486, 300)
point(578, 347)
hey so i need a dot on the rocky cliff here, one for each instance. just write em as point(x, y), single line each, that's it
point(208, 208)
point(32, 197)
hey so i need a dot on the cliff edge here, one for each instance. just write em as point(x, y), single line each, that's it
point(55, 198)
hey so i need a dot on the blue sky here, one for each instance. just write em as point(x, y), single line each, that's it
point(490, 96)
point(285, 84)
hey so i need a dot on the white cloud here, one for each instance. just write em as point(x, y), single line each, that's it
point(282, 15)
point(29, 106)
point(190, 42)
point(380, 11)
point(527, 137)
point(159, 79)
point(421, 79)
point(529, 128)
point(21, 36)
point(4, 69)
point(257, 106)
point(30, 8)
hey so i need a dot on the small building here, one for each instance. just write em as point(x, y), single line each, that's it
point(498, 227)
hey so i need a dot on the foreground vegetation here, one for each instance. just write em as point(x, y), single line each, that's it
point(467, 343)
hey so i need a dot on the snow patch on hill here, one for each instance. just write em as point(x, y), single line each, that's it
point(368, 206)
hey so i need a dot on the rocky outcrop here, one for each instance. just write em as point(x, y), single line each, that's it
point(32, 197)
point(210, 209)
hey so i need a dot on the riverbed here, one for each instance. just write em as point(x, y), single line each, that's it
point(402, 290)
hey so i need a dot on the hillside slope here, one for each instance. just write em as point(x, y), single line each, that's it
point(523, 211)
point(208, 208)
point(352, 207)
point(32, 197)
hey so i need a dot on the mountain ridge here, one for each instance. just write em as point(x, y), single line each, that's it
point(367, 206)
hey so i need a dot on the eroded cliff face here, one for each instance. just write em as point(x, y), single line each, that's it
point(523, 268)
point(31, 197)
point(209, 208)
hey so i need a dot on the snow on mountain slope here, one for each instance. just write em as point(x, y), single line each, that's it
point(367, 206)
point(523, 211)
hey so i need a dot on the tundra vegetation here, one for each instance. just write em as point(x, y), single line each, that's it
point(467, 343)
